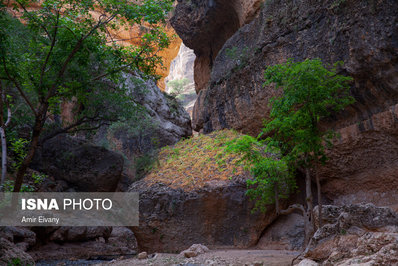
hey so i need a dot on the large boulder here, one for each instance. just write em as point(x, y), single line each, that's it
point(216, 215)
point(363, 34)
point(197, 194)
point(83, 166)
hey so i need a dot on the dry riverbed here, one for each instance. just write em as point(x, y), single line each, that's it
point(215, 257)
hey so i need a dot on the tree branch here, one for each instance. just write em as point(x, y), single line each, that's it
point(18, 87)
point(72, 54)
point(118, 69)
point(43, 68)
point(27, 12)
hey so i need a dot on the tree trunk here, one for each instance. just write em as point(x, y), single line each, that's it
point(308, 217)
point(318, 187)
point(39, 123)
point(3, 156)
point(277, 208)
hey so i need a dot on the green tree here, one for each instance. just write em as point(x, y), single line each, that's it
point(65, 52)
point(293, 137)
point(177, 86)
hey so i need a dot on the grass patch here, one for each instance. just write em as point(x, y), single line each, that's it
point(193, 162)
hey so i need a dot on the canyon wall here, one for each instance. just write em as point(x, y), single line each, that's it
point(231, 60)
point(204, 26)
point(181, 70)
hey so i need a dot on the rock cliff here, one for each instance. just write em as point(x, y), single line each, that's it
point(181, 69)
point(205, 25)
point(362, 34)
point(162, 121)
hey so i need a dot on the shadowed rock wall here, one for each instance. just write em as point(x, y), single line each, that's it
point(362, 34)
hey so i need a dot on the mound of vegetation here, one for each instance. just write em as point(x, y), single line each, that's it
point(193, 162)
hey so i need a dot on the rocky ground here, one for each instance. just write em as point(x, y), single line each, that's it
point(216, 257)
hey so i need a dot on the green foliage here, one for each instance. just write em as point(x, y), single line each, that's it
point(291, 138)
point(269, 170)
point(18, 147)
point(60, 56)
point(235, 53)
point(310, 92)
point(172, 102)
point(9, 187)
point(144, 164)
point(15, 262)
point(232, 53)
point(177, 86)
point(38, 178)
point(64, 52)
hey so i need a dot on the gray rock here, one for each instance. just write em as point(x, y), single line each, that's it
point(142, 255)
point(83, 166)
point(286, 233)
point(171, 121)
point(194, 251)
point(307, 262)
point(19, 235)
point(218, 214)
point(80, 233)
point(10, 254)
point(355, 233)
point(229, 72)
point(163, 121)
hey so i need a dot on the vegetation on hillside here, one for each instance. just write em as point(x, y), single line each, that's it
point(192, 162)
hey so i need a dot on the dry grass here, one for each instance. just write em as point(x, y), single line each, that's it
point(193, 162)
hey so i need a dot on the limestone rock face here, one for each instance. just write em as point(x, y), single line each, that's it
point(205, 25)
point(364, 35)
point(164, 122)
point(218, 214)
point(83, 166)
point(356, 233)
point(171, 121)
point(181, 68)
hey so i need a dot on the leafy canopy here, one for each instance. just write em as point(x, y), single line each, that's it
point(310, 92)
point(270, 171)
point(65, 51)
point(292, 138)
